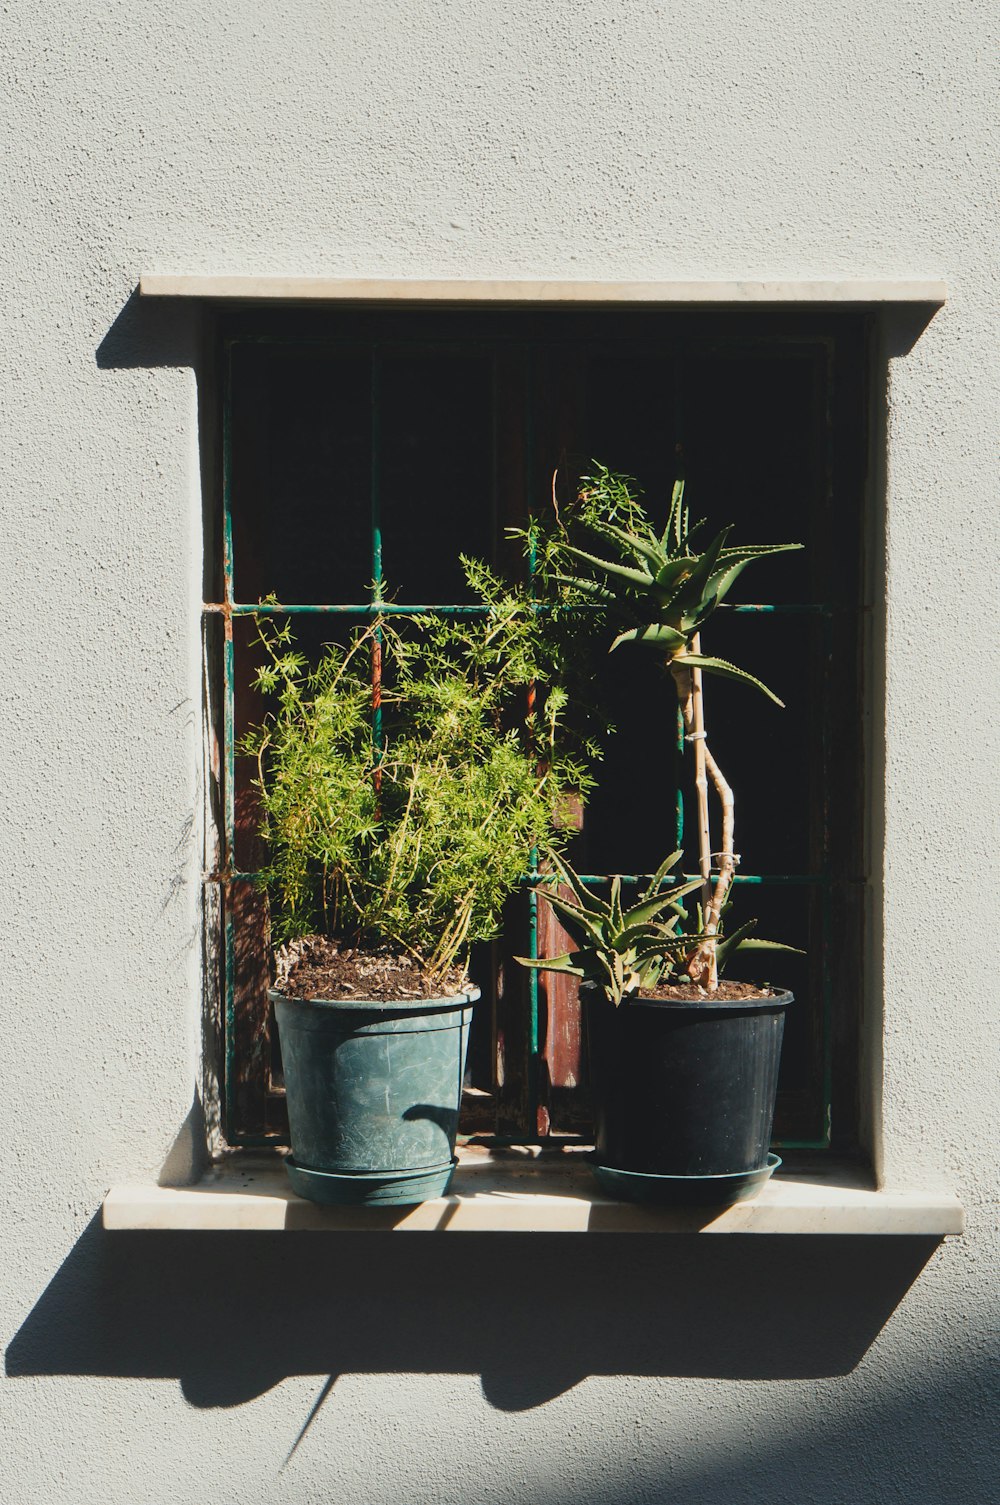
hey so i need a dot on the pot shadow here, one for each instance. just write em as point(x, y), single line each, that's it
point(229, 1315)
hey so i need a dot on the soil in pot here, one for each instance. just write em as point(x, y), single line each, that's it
point(318, 967)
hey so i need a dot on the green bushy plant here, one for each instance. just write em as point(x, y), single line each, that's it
point(414, 837)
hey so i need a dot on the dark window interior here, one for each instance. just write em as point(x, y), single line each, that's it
point(443, 427)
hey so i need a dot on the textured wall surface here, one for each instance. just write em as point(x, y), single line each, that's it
point(420, 138)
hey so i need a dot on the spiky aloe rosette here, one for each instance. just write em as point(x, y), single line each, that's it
point(623, 950)
point(658, 590)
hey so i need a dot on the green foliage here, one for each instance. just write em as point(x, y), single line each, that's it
point(417, 842)
point(625, 950)
point(655, 587)
point(621, 949)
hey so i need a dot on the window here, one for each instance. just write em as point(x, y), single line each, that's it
point(380, 442)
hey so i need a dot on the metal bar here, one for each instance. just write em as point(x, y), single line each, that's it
point(826, 917)
point(397, 609)
point(369, 609)
point(817, 879)
point(533, 979)
point(760, 878)
point(375, 502)
point(228, 751)
point(678, 788)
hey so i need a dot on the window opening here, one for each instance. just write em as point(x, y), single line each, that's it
point(366, 449)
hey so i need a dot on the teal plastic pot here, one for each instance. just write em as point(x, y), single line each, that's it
point(374, 1092)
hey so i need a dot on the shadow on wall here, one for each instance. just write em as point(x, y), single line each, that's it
point(150, 332)
point(231, 1314)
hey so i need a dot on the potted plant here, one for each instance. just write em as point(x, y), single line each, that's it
point(684, 1066)
point(402, 793)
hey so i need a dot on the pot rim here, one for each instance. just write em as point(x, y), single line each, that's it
point(779, 998)
point(382, 1006)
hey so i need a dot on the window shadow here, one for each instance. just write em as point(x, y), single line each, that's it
point(229, 1315)
point(151, 332)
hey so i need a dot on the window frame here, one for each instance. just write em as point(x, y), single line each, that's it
point(843, 1045)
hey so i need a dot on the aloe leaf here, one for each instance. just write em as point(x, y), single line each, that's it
point(623, 571)
point(734, 561)
point(699, 596)
point(639, 939)
point(674, 572)
point(592, 925)
point(725, 948)
point(727, 671)
point(648, 909)
point(567, 962)
point(674, 516)
point(587, 900)
point(666, 946)
point(693, 601)
point(656, 635)
point(649, 971)
point(617, 978)
point(757, 943)
point(695, 584)
point(661, 873)
point(723, 580)
point(590, 587)
point(756, 550)
point(649, 551)
point(615, 902)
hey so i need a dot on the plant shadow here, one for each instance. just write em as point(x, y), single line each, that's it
point(229, 1315)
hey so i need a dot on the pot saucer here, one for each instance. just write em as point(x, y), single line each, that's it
point(683, 1191)
point(370, 1189)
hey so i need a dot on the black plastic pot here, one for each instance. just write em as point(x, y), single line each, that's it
point(685, 1091)
point(373, 1092)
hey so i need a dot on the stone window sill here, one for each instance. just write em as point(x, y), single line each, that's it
point(518, 1191)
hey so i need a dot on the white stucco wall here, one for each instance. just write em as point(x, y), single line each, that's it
point(422, 138)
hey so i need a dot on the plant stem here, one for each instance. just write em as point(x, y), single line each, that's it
point(701, 782)
point(689, 693)
point(702, 965)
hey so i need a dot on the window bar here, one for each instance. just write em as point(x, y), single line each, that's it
point(466, 609)
point(375, 499)
point(677, 396)
point(229, 753)
point(826, 922)
point(533, 975)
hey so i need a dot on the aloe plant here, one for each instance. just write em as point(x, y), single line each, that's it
point(660, 590)
point(621, 949)
point(626, 950)
point(664, 587)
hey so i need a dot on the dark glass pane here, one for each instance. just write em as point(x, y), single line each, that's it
point(753, 438)
point(300, 474)
point(632, 422)
point(630, 823)
point(435, 471)
point(771, 757)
